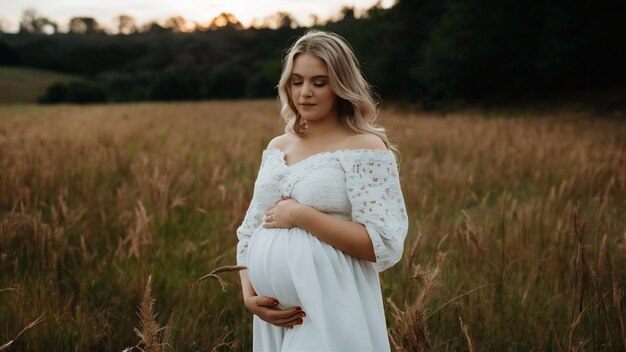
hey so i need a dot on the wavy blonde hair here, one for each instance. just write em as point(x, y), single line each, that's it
point(357, 103)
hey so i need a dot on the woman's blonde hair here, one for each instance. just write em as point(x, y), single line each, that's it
point(357, 103)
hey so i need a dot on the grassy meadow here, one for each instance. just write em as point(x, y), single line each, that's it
point(26, 85)
point(517, 238)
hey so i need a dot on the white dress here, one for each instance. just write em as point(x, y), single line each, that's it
point(339, 293)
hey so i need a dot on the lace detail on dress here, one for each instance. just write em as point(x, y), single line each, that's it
point(273, 160)
point(251, 221)
point(374, 192)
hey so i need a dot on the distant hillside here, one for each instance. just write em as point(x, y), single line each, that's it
point(25, 85)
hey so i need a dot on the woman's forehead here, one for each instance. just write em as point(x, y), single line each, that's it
point(309, 65)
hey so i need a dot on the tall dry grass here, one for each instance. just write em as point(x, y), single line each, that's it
point(517, 238)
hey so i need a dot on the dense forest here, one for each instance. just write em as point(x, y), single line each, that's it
point(429, 51)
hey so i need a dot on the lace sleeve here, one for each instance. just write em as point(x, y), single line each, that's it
point(251, 221)
point(373, 188)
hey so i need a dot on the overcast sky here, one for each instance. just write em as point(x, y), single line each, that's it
point(192, 10)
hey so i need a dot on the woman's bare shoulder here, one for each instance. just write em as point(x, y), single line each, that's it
point(280, 142)
point(365, 141)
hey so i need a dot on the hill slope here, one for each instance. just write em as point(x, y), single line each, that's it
point(25, 85)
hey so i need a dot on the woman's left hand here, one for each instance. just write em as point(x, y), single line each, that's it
point(282, 214)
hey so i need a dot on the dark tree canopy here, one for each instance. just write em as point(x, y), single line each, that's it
point(84, 25)
point(32, 23)
point(427, 51)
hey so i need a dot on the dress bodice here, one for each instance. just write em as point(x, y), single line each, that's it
point(361, 185)
point(317, 181)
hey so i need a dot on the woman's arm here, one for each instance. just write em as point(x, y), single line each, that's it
point(347, 236)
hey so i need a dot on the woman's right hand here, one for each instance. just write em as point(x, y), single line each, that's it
point(266, 309)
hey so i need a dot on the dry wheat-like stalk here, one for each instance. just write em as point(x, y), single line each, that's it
point(150, 329)
point(36, 322)
point(596, 277)
point(415, 245)
point(622, 245)
point(222, 342)
point(602, 257)
point(428, 277)
point(465, 330)
point(458, 297)
point(410, 332)
point(223, 269)
point(471, 236)
point(139, 234)
point(618, 299)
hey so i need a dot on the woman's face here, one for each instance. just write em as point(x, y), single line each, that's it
point(310, 88)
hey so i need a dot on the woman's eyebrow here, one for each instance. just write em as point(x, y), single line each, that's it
point(314, 77)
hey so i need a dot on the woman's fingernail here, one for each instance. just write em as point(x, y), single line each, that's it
point(275, 302)
point(299, 321)
point(303, 314)
point(298, 308)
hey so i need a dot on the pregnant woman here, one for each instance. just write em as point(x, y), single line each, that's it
point(327, 212)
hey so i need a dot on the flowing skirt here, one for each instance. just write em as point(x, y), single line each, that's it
point(339, 294)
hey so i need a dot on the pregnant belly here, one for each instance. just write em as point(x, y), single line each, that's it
point(269, 252)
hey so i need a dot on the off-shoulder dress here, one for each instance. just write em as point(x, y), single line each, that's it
point(339, 293)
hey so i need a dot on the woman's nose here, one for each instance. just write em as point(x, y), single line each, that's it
point(306, 90)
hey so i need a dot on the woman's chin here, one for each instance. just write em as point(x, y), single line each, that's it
point(311, 117)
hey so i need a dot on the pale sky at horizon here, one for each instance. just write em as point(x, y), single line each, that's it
point(201, 11)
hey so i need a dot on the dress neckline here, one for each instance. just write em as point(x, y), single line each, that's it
point(324, 153)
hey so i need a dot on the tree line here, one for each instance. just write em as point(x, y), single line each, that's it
point(34, 23)
point(430, 51)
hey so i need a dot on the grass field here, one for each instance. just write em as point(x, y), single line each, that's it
point(25, 85)
point(517, 238)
